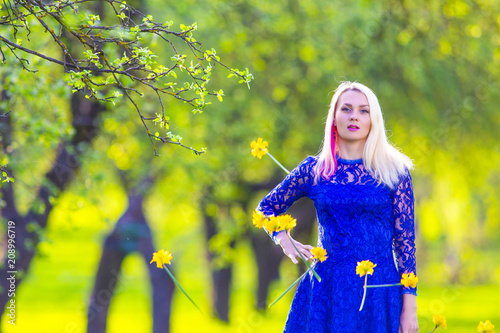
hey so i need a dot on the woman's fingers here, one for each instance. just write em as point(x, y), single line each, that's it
point(296, 250)
point(304, 251)
point(307, 254)
point(294, 256)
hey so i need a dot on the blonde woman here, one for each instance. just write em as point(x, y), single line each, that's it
point(362, 191)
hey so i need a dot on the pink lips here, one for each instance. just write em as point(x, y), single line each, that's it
point(352, 128)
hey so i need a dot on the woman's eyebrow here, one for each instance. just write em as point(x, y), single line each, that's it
point(350, 105)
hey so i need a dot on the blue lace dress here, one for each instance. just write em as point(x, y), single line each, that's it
point(357, 220)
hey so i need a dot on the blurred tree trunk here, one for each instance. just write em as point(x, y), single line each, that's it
point(130, 234)
point(65, 166)
point(221, 276)
point(85, 114)
point(268, 255)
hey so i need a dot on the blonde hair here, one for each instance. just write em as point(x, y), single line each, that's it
point(383, 160)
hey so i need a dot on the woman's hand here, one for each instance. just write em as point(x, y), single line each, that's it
point(408, 320)
point(286, 244)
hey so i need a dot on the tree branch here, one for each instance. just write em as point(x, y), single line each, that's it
point(120, 49)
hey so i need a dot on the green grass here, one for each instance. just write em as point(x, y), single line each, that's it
point(53, 297)
point(463, 306)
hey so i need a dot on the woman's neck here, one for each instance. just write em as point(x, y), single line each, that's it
point(351, 150)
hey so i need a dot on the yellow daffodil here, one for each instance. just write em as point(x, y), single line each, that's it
point(276, 223)
point(486, 327)
point(365, 267)
point(272, 224)
point(439, 321)
point(258, 219)
point(259, 148)
point(161, 258)
point(286, 222)
point(319, 253)
point(409, 280)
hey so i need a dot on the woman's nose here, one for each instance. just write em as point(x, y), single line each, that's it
point(354, 115)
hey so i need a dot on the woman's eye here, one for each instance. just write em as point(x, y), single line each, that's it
point(365, 111)
point(345, 109)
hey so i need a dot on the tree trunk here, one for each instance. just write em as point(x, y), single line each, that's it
point(221, 277)
point(131, 234)
point(62, 172)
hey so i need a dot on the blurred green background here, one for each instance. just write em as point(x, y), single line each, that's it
point(435, 67)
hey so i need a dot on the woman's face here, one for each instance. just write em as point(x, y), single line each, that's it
point(352, 116)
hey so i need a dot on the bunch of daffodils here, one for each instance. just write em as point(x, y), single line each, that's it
point(274, 223)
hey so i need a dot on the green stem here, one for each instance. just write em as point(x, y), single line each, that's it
point(364, 293)
point(288, 289)
point(303, 259)
point(182, 289)
point(275, 160)
point(435, 329)
point(383, 285)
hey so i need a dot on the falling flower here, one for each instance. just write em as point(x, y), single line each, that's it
point(258, 219)
point(161, 258)
point(439, 321)
point(486, 327)
point(259, 148)
point(319, 253)
point(365, 267)
point(409, 280)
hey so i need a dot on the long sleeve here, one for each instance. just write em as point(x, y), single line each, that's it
point(404, 229)
point(292, 188)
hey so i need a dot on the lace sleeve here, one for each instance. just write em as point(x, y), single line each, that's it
point(292, 188)
point(404, 229)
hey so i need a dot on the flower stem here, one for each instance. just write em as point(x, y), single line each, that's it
point(288, 289)
point(275, 160)
point(364, 293)
point(182, 289)
point(309, 267)
point(383, 285)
